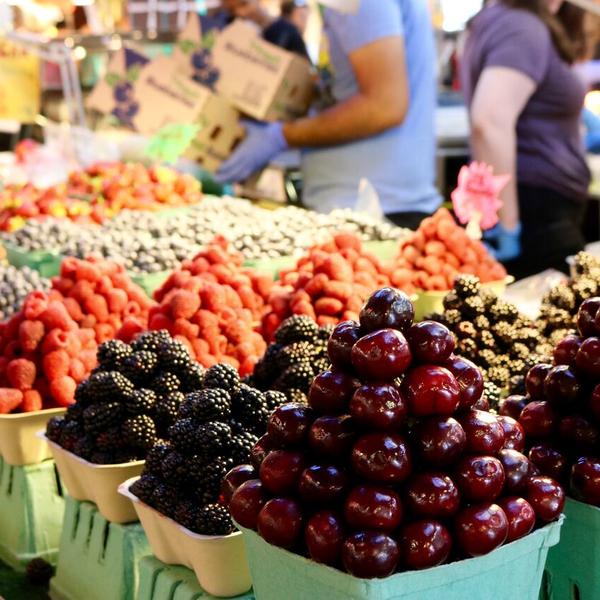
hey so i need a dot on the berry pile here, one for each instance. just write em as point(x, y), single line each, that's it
point(292, 361)
point(432, 257)
point(329, 284)
point(391, 467)
point(216, 428)
point(561, 412)
point(15, 284)
point(211, 305)
point(491, 332)
point(558, 314)
point(99, 295)
point(43, 355)
point(129, 401)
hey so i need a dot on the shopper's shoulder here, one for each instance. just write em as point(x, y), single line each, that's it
point(503, 21)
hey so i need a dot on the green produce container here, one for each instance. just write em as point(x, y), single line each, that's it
point(166, 582)
point(46, 263)
point(272, 266)
point(150, 282)
point(98, 560)
point(513, 572)
point(384, 251)
point(573, 566)
point(31, 513)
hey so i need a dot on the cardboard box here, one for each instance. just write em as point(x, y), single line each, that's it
point(260, 79)
point(169, 96)
point(114, 94)
point(161, 16)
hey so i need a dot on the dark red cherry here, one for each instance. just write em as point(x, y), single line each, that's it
point(439, 441)
point(586, 317)
point(424, 544)
point(550, 461)
point(373, 508)
point(482, 404)
point(517, 469)
point(369, 554)
point(485, 435)
point(514, 435)
point(534, 381)
point(247, 502)
point(512, 406)
point(331, 391)
point(341, 341)
point(585, 480)
point(431, 390)
point(235, 478)
point(324, 536)
point(432, 495)
point(481, 528)
point(578, 431)
point(479, 478)
point(469, 379)
point(332, 438)
point(322, 484)
point(562, 388)
point(566, 350)
point(260, 450)
point(281, 470)
point(594, 403)
point(378, 406)
point(520, 515)
point(289, 424)
point(546, 496)
point(280, 522)
point(430, 342)
point(588, 358)
point(382, 458)
point(387, 308)
point(539, 419)
point(382, 355)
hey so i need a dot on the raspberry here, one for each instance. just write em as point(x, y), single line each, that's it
point(184, 304)
point(9, 400)
point(31, 334)
point(21, 373)
point(56, 364)
point(63, 390)
point(96, 305)
point(56, 316)
point(32, 401)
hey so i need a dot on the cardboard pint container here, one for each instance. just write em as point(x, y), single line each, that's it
point(511, 572)
point(99, 484)
point(168, 96)
point(219, 562)
point(260, 79)
point(19, 443)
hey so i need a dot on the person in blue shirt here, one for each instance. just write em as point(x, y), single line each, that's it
point(381, 126)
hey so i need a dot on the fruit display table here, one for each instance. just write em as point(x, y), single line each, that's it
point(31, 512)
point(164, 582)
point(573, 566)
point(98, 560)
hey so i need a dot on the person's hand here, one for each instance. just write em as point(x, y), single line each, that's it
point(506, 242)
point(262, 144)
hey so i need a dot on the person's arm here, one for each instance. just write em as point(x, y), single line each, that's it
point(500, 97)
point(380, 104)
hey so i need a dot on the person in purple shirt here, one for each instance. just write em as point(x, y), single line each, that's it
point(525, 106)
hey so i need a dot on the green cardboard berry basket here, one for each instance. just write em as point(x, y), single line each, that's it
point(512, 572)
point(45, 262)
point(573, 566)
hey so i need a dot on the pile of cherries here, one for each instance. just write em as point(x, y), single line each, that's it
point(561, 412)
point(392, 466)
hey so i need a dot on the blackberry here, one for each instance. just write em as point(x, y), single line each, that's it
point(139, 432)
point(166, 410)
point(241, 445)
point(83, 393)
point(236, 426)
point(70, 433)
point(274, 399)
point(150, 340)
point(109, 386)
point(504, 332)
point(503, 311)
point(174, 469)
point(467, 286)
point(501, 360)
point(101, 457)
point(516, 385)
point(299, 376)
point(488, 298)
point(213, 438)
point(39, 571)
point(191, 376)
point(467, 348)
point(584, 263)
point(452, 301)
point(156, 456)
point(517, 366)
point(100, 417)
point(186, 514)
point(557, 336)
point(321, 365)
point(111, 354)
point(492, 393)
point(211, 475)
point(325, 332)
point(266, 368)
point(206, 405)
point(250, 407)
point(173, 356)
point(197, 465)
point(295, 353)
point(437, 317)
point(140, 366)
point(481, 323)
point(297, 328)
point(54, 429)
point(214, 519)
point(519, 350)
point(295, 395)
point(585, 288)
point(183, 435)
point(144, 487)
point(140, 402)
point(110, 440)
point(487, 358)
point(452, 317)
point(84, 447)
point(164, 499)
point(499, 376)
point(466, 329)
point(75, 413)
point(487, 340)
point(563, 297)
point(222, 376)
point(473, 307)
point(165, 383)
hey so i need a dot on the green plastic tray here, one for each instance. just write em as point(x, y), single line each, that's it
point(166, 582)
point(46, 263)
point(150, 282)
point(97, 560)
point(573, 567)
point(31, 513)
point(271, 266)
point(513, 572)
point(384, 251)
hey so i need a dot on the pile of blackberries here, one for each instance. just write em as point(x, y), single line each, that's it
point(215, 430)
point(130, 400)
point(297, 356)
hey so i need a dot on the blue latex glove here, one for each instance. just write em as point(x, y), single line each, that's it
point(506, 242)
point(263, 143)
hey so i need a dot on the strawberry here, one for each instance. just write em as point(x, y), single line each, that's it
point(21, 373)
